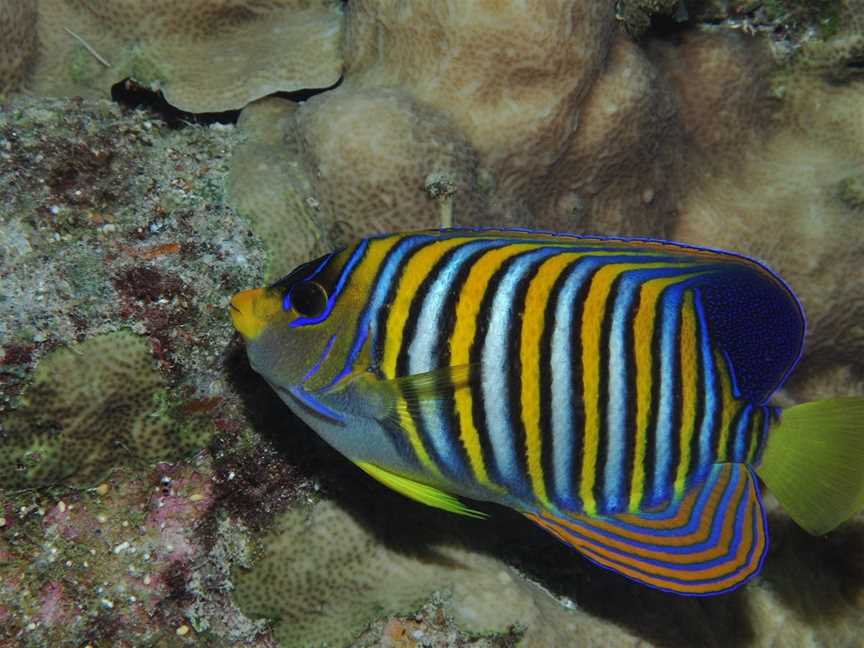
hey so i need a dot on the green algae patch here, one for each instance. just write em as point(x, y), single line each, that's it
point(90, 407)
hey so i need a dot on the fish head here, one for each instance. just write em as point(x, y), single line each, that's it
point(305, 335)
point(299, 330)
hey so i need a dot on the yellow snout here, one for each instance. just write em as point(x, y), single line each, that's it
point(251, 310)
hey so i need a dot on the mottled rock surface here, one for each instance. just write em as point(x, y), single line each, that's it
point(206, 56)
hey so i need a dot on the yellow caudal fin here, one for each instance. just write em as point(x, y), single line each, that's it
point(814, 462)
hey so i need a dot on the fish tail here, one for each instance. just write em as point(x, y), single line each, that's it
point(814, 462)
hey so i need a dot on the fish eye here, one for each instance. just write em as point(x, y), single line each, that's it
point(308, 298)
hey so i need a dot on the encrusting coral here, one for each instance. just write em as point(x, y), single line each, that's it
point(322, 576)
point(205, 56)
point(558, 121)
point(89, 408)
point(17, 42)
point(322, 572)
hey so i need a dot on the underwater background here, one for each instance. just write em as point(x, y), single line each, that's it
point(156, 157)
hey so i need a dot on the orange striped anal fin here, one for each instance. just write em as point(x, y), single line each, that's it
point(711, 541)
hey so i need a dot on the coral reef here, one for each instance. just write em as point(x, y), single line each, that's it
point(88, 408)
point(206, 57)
point(118, 256)
point(636, 14)
point(739, 127)
point(566, 125)
point(114, 565)
point(18, 38)
point(324, 569)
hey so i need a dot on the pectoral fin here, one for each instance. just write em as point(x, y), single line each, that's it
point(389, 400)
point(428, 495)
point(711, 541)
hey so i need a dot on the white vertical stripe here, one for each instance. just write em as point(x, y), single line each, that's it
point(424, 348)
point(496, 366)
point(616, 411)
point(709, 386)
point(563, 405)
point(670, 316)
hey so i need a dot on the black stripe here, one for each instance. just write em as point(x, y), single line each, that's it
point(700, 411)
point(604, 395)
point(481, 419)
point(547, 452)
point(649, 494)
point(576, 386)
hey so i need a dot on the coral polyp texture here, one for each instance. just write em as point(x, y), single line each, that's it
point(205, 56)
point(91, 407)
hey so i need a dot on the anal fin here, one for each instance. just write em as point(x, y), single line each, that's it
point(419, 492)
point(711, 541)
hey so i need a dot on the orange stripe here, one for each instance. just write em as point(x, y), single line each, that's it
point(688, 361)
point(464, 332)
point(654, 577)
point(704, 588)
point(643, 333)
point(593, 314)
point(533, 325)
point(730, 406)
point(700, 535)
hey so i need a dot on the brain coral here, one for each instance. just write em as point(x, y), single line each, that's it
point(322, 576)
point(17, 42)
point(323, 573)
point(206, 56)
point(530, 113)
point(89, 407)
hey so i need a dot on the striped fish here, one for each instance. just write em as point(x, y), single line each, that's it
point(614, 391)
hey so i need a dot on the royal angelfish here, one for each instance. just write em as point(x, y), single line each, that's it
point(614, 391)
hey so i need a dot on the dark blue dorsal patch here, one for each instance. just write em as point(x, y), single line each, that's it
point(757, 322)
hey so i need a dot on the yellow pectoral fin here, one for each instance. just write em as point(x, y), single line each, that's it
point(428, 495)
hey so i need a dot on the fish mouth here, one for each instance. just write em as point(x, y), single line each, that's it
point(242, 310)
point(252, 310)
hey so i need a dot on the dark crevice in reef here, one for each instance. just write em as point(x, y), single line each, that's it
point(307, 93)
point(133, 95)
point(669, 27)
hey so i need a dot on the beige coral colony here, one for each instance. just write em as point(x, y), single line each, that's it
point(729, 124)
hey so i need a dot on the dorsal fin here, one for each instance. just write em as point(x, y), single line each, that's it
point(752, 316)
point(711, 541)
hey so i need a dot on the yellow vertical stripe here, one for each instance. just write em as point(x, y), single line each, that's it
point(730, 405)
point(416, 270)
point(467, 309)
point(593, 314)
point(757, 422)
point(533, 324)
point(688, 367)
point(643, 333)
point(364, 274)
